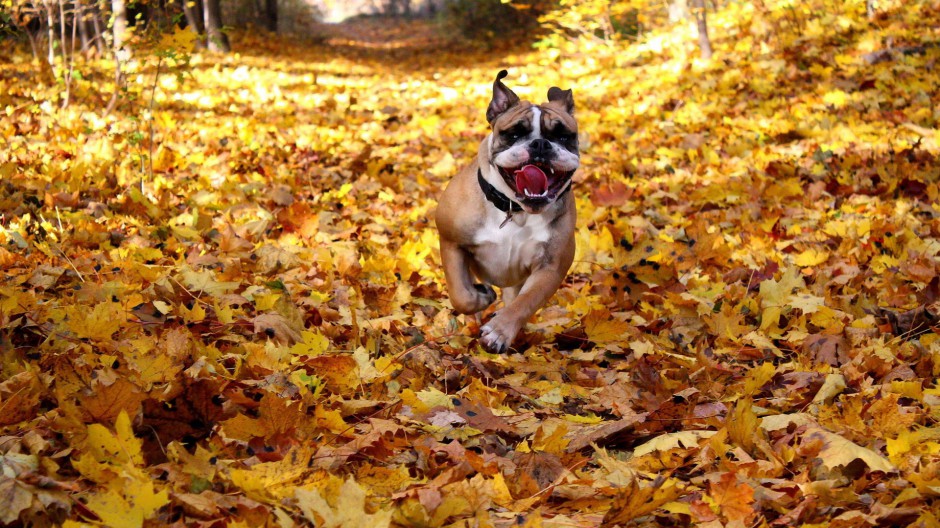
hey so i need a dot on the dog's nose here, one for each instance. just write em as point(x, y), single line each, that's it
point(540, 147)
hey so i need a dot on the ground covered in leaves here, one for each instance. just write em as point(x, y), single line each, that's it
point(222, 304)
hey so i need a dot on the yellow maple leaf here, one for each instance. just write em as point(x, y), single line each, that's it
point(635, 501)
point(117, 448)
point(553, 442)
point(347, 508)
point(601, 327)
point(757, 377)
point(367, 369)
point(150, 368)
point(115, 460)
point(274, 480)
point(743, 424)
point(811, 257)
point(840, 452)
point(836, 98)
point(276, 416)
point(97, 324)
point(128, 503)
point(665, 442)
point(312, 343)
point(807, 302)
point(777, 292)
point(331, 420)
point(179, 40)
point(775, 295)
point(205, 281)
point(192, 315)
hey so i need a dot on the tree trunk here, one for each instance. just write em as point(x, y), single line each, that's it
point(67, 56)
point(192, 9)
point(704, 43)
point(50, 32)
point(216, 40)
point(119, 28)
point(270, 15)
point(80, 23)
point(96, 24)
point(678, 11)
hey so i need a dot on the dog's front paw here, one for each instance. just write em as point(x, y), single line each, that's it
point(497, 335)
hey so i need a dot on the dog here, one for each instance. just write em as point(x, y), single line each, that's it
point(508, 218)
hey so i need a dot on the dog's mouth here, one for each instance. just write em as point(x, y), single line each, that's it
point(536, 183)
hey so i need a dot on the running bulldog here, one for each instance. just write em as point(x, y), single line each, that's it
point(508, 218)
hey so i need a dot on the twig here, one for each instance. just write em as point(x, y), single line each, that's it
point(67, 259)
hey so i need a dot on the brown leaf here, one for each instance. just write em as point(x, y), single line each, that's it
point(482, 418)
point(340, 372)
point(276, 417)
point(827, 349)
point(610, 194)
point(188, 414)
point(276, 326)
point(535, 472)
point(912, 323)
point(103, 403)
point(608, 433)
point(636, 501)
point(14, 498)
point(734, 499)
point(19, 398)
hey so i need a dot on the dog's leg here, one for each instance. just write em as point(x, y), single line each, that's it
point(465, 296)
point(510, 293)
point(497, 335)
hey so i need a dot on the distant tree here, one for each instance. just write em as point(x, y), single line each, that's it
point(119, 26)
point(704, 43)
point(88, 24)
point(204, 18)
point(268, 11)
point(216, 40)
point(192, 10)
point(610, 21)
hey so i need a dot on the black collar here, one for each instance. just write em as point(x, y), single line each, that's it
point(497, 198)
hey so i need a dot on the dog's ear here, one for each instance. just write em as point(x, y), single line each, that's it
point(503, 98)
point(565, 97)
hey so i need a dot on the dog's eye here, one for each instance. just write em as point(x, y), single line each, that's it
point(514, 133)
point(563, 136)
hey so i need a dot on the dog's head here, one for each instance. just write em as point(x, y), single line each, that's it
point(533, 147)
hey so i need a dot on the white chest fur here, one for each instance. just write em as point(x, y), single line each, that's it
point(504, 255)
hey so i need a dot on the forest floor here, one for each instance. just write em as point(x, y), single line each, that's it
point(222, 303)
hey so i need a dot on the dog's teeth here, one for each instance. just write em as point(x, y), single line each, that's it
point(527, 193)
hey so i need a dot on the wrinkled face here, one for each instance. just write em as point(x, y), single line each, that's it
point(535, 148)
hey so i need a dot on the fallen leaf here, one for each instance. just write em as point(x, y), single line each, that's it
point(840, 452)
point(347, 508)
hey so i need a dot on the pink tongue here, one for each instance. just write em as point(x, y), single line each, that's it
point(531, 178)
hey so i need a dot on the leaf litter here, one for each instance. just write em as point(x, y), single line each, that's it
point(256, 333)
